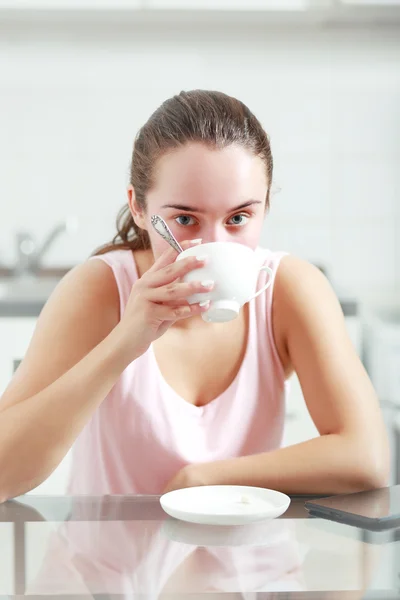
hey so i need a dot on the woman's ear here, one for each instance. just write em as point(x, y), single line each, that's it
point(136, 211)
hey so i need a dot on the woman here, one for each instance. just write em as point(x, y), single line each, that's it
point(156, 398)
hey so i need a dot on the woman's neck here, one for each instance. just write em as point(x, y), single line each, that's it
point(144, 260)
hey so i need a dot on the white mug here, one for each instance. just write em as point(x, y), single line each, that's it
point(234, 268)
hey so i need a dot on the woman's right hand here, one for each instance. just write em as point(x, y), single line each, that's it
point(159, 298)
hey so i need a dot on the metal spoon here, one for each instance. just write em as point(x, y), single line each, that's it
point(162, 228)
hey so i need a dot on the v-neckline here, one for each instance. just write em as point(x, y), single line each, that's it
point(210, 406)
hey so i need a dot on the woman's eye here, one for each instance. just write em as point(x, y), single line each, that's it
point(238, 220)
point(185, 220)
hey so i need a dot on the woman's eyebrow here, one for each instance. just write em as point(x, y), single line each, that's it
point(185, 208)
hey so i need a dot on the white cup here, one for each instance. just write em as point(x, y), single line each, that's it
point(234, 268)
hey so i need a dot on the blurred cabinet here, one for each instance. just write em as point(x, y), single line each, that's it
point(382, 332)
point(228, 5)
point(69, 4)
point(299, 426)
point(382, 335)
point(376, 3)
point(157, 4)
point(15, 335)
point(7, 562)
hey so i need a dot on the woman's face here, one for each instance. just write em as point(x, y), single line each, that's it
point(215, 195)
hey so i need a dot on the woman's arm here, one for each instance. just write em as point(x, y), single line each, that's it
point(79, 349)
point(352, 452)
point(72, 362)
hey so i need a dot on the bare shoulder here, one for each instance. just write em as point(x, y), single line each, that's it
point(80, 313)
point(297, 280)
point(304, 305)
point(87, 301)
point(88, 287)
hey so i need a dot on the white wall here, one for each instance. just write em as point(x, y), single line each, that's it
point(72, 98)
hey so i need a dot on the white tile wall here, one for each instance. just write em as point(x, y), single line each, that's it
point(72, 99)
point(365, 253)
point(308, 239)
point(364, 188)
point(302, 185)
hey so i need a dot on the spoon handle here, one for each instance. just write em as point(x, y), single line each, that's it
point(162, 228)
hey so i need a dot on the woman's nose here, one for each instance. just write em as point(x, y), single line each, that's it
point(215, 234)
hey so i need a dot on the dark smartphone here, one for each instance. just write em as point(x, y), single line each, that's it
point(376, 510)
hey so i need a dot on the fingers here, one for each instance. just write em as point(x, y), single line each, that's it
point(166, 258)
point(169, 256)
point(172, 272)
point(163, 312)
point(166, 295)
point(176, 291)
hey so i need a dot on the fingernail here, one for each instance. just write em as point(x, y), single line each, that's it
point(201, 258)
point(195, 241)
point(205, 303)
point(208, 283)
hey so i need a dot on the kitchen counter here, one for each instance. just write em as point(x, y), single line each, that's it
point(28, 306)
point(20, 308)
point(25, 296)
point(126, 547)
point(31, 308)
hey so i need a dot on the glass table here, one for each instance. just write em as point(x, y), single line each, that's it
point(126, 547)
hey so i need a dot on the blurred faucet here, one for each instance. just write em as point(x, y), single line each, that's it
point(30, 254)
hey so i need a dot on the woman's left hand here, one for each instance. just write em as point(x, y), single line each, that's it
point(189, 476)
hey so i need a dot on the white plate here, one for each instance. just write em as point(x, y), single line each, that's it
point(224, 504)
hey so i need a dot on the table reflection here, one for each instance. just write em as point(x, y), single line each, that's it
point(163, 557)
point(124, 547)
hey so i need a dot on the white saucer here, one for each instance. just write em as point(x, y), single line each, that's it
point(224, 504)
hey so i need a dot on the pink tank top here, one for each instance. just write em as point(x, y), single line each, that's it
point(143, 432)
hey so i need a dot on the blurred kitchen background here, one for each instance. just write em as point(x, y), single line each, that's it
point(79, 77)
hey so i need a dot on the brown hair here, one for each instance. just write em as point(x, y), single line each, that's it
point(210, 117)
